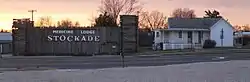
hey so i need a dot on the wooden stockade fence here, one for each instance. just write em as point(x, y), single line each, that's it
point(129, 33)
point(30, 40)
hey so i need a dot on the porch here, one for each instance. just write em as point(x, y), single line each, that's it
point(181, 38)
point(167, 46)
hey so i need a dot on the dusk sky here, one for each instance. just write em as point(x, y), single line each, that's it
point(236, 11)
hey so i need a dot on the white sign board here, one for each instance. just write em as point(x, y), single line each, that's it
point(67, 35)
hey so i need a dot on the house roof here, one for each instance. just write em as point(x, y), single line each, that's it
point(5, 36)
point(192, 23)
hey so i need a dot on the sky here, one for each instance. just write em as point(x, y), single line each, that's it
point(236, 11)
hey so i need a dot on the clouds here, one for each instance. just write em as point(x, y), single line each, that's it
point(216, 3)
point(50, 0)
point(203, 3)
point(235, 10)
point(48, 6)
point(245, 4)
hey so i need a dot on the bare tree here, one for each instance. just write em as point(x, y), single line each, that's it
point(45, 21)
point(183, 13)
point(92, 20)
point(105, 20)
point(116, 7)
point(77, 24)
point(154, 19)
point(65, 23)
point(246, 27)
point(3, 31)
point(242, 28)
point(212, 14)
point(237, 28)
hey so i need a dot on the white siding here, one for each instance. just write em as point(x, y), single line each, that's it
point(165, 37)
point(206, 35)
point(174, 37)
point(5, 36)
point(195, 37)
point(228, 34)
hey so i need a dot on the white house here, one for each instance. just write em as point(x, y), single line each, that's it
point(5, 37)
point(194, 31)
point(238, 37)
point(5, 43)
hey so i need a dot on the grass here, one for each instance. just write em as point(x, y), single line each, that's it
point(148, 51)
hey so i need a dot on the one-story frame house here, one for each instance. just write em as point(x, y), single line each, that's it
point(186, 32)
point(5, 43)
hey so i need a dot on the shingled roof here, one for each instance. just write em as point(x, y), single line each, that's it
point(191, 23)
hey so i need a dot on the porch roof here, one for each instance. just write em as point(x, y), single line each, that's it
point(184, 29)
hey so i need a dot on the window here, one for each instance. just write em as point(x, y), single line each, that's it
point(190, 36)
point(180, 34)
point(157, 34)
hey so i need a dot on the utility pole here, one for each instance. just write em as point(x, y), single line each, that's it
point(242, 38)
point(32, 13)
point(222, 37)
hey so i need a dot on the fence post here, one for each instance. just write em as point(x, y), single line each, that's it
point(121, 45)
point(1, 54)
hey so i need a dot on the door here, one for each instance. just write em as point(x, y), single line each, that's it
point(200, 37)
point(190, 36)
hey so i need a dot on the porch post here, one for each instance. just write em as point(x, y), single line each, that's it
point(182, 38)
point(192, 43)
point(1, 54)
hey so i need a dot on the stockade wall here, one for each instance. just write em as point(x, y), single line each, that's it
point(101, 42)
point(38, 43)
point(30, 40)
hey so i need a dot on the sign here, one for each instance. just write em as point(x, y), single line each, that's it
point(68, 35)
point(222, 34)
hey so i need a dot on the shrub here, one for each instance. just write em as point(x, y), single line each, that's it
point(209, 44)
